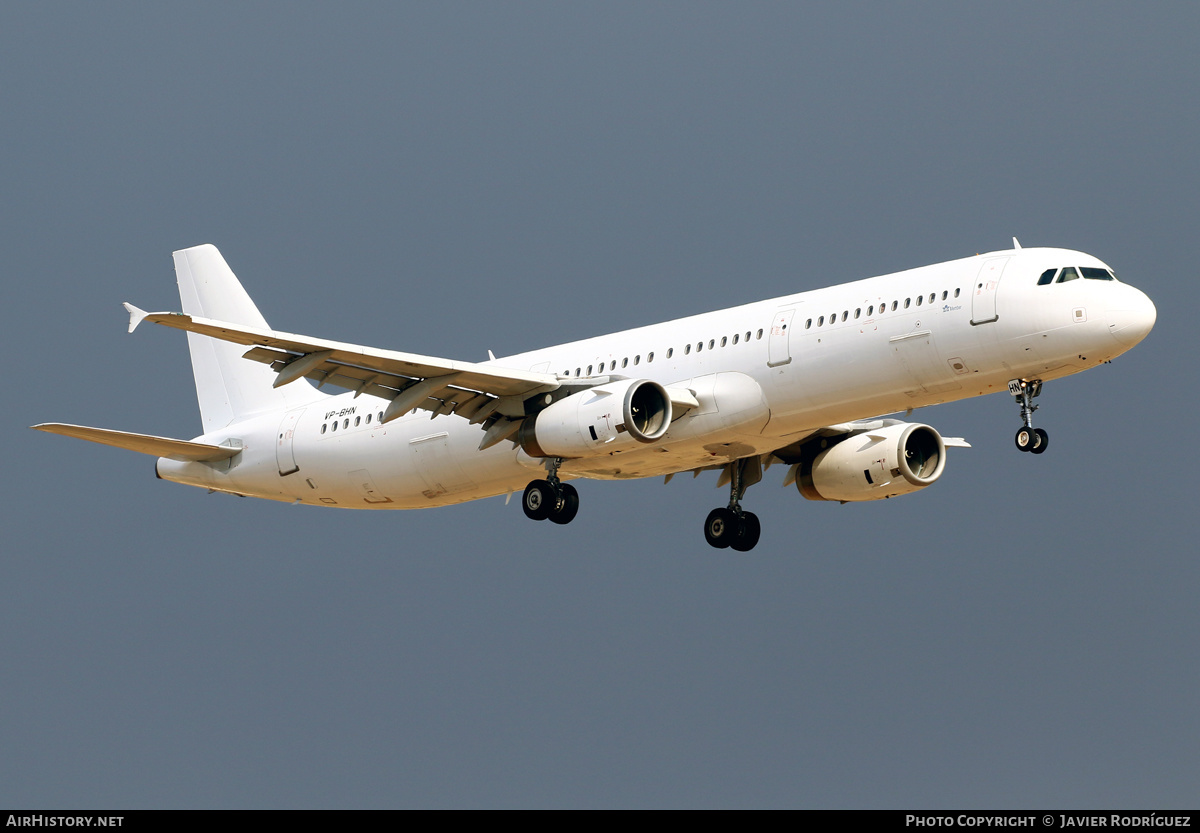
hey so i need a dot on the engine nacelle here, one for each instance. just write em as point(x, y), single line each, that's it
point(891, 461)
point(606, 418)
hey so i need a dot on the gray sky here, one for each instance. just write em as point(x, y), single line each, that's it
point(446, 179)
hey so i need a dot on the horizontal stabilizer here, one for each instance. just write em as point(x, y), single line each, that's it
point(181, 450)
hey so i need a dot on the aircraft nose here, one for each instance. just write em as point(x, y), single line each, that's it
point(1134, 318)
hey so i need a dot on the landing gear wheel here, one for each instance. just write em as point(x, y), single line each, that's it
point(1041, 441)
point(539, 499)
point(1028, 438)
point(748, 532)
point(566, 507)
point(721, 528)
point(1025, 439)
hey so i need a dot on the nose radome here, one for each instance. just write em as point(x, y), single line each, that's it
point(1133, 320)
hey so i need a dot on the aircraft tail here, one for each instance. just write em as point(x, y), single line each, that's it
point(228, 386)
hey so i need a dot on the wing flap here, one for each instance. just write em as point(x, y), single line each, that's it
point(182, 450)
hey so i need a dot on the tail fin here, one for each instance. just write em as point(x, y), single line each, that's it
point(227, 386)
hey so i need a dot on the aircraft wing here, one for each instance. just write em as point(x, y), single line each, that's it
point(407, 379)
point(182, 450)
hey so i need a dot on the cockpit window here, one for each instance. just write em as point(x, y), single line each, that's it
point(1047, 277)
point(1068, 274)
point(1096, 274)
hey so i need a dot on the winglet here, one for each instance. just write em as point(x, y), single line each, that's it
point(135, 316)
point(1016, 243)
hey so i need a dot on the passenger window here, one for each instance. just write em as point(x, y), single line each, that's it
point(589, 370)
point(759, 335)
point(323, 427)
point(637, 359)
point(333, 426)
point(699, 346)
point(1092, 273)
point(1068, 274)
point(932, 297)
point(870, 310)
point(724, 341)
point(820, 321)
point(357, 421)
point(625, 362)
point(346, 423)
point(612, 365)
point(747, 335)
point(649, 357)
point(711, 342)
point(945, 295)
point(920, 298)
point(845, 314)
point(808, 324)
point(687, 349)
point(894, 304)
point(736, 336)
point(907, 302)
point(858, 312)
point(670, 352)
point(577, 373)
point(956, 293)
point(369, 419)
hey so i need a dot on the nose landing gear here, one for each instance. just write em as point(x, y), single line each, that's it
point(550, 498)
point(731, 526)
point(1028, 438)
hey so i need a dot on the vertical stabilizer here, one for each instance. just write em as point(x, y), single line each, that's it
point(228, 387)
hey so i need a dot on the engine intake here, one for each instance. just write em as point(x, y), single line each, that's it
point(600, 420)
point(890, 461)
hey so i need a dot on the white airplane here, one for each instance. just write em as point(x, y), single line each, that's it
point(798, 380)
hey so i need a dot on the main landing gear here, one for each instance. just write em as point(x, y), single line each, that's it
point(551, 498)
point(1028, 438)
point(730, 526)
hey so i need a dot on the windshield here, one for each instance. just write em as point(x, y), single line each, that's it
point(1071, 273)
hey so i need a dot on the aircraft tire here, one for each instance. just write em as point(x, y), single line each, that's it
point(1024, 439)
point(720, 528)
point(1042, 442)
point(748, 531)
point(566, 507)
point(538, 500)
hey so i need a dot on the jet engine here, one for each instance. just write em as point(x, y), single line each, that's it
point(599, 420)
point(893, 460)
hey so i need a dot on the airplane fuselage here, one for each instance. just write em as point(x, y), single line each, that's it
point(764, 375)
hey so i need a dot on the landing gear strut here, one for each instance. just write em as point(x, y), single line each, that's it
point(730, 526)
point(1028, 438)
point(551, 498)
